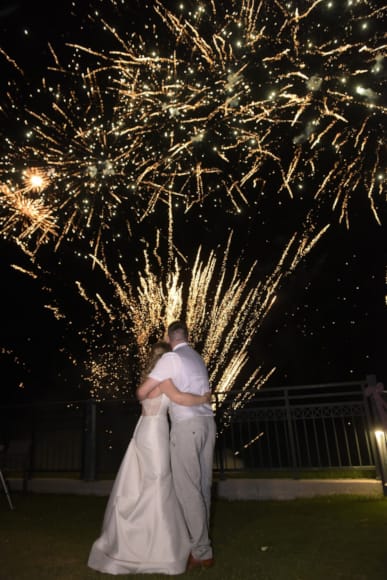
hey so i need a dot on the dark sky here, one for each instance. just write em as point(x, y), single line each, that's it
point(330, 316)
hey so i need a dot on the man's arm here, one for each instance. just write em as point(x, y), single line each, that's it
point(146, 387)
point(164, 369)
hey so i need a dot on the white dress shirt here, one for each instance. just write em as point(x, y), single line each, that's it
point(186, 368)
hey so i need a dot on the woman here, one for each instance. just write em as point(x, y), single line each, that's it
point(143, 528)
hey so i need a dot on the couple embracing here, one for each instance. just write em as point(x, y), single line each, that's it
point(157, 516)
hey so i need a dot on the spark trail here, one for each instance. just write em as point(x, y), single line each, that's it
point(205, 106)
point(223, 306)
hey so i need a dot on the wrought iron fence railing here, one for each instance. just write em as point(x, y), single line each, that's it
point(277, 428)
point(314, 426)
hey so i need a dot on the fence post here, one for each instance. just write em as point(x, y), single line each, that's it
point(219, 447)
point(89, 459)
point(381, 445)
point(31, 461)
point(375, 392)
point(291, 433)
point(370, 410)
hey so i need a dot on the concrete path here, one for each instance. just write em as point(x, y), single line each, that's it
point(233, 489)
point(285, 489)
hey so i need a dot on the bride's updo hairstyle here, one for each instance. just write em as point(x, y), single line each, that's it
point(156, 351)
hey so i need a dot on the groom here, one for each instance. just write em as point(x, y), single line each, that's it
point(192, 439)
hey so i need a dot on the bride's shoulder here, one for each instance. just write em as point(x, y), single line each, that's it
point(170, 354)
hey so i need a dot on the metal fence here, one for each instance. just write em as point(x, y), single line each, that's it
point(305, 427)
point(294, 428)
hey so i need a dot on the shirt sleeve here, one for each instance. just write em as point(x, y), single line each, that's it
point(167, 367)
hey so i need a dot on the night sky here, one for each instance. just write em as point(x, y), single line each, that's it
point(328, 323)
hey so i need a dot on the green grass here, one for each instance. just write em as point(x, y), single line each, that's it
point(327, 473)
point(48, 537)
point(331, 473)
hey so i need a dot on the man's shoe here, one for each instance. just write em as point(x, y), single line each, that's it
point(194, 563)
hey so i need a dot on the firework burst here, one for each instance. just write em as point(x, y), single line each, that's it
point(25, 217)
point(223, 306)
point(214, 106)
point(207, 105)
point(75, 142)
point(225, 99)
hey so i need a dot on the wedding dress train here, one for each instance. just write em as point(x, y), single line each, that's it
point(143, 529)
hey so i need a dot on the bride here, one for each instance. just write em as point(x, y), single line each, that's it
point(143, 528)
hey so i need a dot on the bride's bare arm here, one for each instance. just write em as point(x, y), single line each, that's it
point(186, 399)
point(146, 387)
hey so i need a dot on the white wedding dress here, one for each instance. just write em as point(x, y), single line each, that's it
point(143, 529)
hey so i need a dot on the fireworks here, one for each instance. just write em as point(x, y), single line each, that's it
point(194, 110)
point(230, 97)
point(210, 105)
point(82, 160)
point(223, 306)
point(24, 216)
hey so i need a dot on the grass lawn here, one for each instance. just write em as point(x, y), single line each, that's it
point(343, 473)
point(48, 537)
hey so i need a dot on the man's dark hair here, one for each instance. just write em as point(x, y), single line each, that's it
point(178, 330)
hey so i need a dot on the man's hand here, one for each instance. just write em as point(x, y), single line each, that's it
point(208, 397)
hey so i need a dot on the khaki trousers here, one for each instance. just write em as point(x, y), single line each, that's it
point(192, 456)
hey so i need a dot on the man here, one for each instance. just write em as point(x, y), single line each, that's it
point(192, 439)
